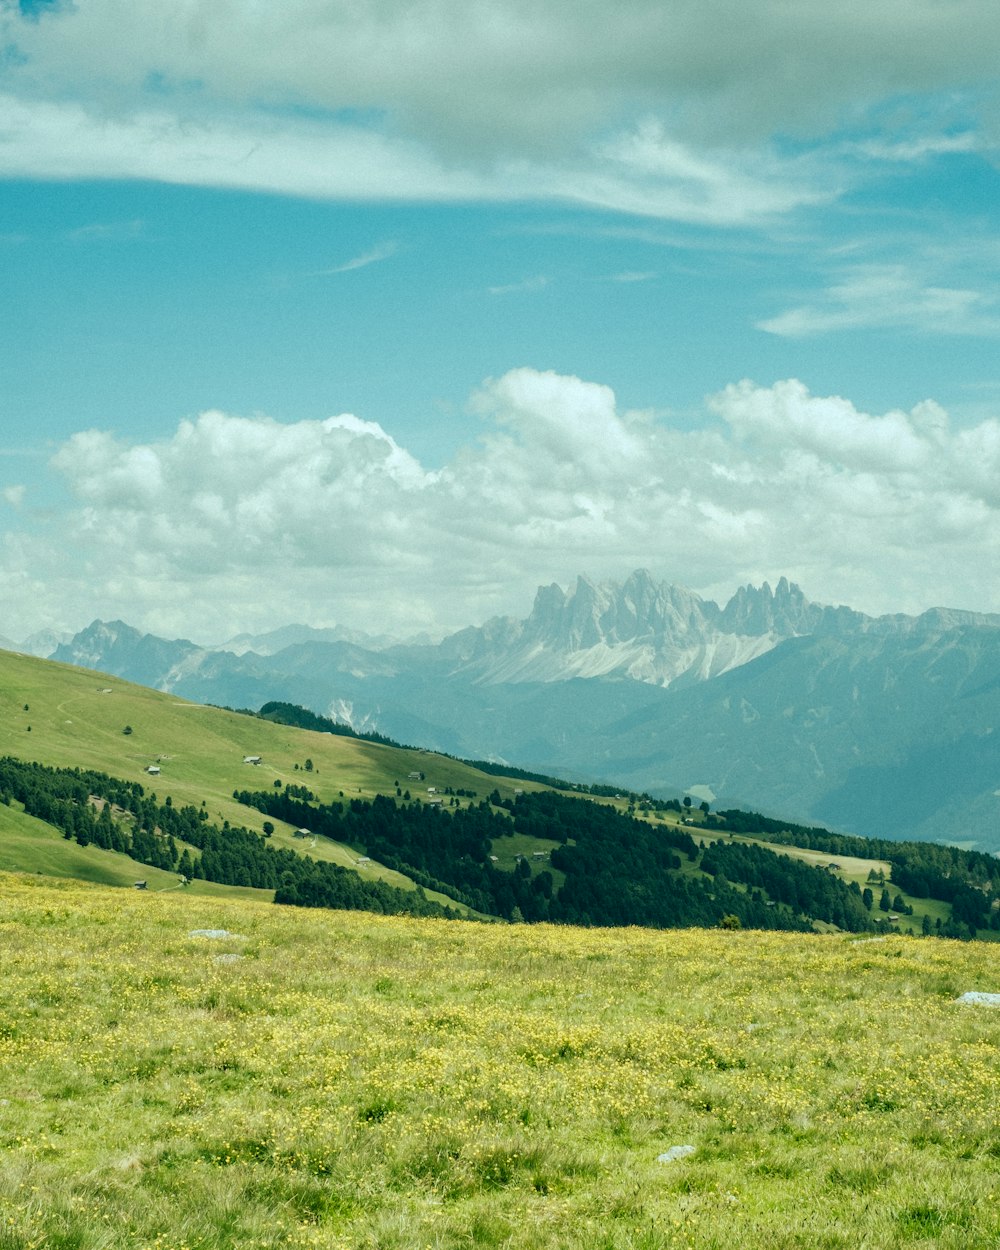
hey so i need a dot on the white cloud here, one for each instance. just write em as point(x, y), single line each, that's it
point(663, 110)
point(786, 417)
point(538, 282)
point(334, 159)
point(510, 75)
point(372, 257)
point(892, 296)
point(237, 523)
point(918, 149)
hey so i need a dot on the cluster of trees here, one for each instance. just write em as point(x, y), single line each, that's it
point(92, 807)
point(612, 869)
point(620, 870)
point(292, 714)
point(805, 889)
point(968, 880)
point(609, 868)
point(443, 850)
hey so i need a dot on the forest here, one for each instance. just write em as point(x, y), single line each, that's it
point(606, 867)
point(968, 880)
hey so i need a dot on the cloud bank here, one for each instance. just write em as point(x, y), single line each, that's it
point(239, 523)
point(671, 110)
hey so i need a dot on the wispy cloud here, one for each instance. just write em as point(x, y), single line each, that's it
point(106, 231)
point(383, 251)
point(890, 296)
point(536, 283)
point(439, 100)
point(917, 149)
point(634, 275)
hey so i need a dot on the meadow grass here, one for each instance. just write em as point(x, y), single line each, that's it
point(70, 717)
point(343, 1080)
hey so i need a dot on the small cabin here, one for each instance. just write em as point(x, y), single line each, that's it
point(251, 759)
point(302, 833)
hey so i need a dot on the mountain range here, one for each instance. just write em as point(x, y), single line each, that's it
point(880, 725)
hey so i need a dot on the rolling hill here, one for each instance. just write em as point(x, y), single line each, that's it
point(884, 726)
point(208, 799)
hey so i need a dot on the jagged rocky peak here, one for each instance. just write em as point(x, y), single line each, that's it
point(584, 609)
point(783, 611)
point(92, 644)
point(595, 613)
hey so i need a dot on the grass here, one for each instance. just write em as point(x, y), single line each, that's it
point(70, 717)
point(66, 716)
point(342, 1080)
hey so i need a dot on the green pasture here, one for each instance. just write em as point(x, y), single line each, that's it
point(352, 1082)
point(69, 717)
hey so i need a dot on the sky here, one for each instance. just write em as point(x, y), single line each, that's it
point(385, 313)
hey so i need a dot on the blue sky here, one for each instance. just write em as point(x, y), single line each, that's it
point(385, 313)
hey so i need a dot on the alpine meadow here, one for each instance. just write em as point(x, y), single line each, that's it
point(189, 1065)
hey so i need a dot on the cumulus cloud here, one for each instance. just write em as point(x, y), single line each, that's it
point(238, 523)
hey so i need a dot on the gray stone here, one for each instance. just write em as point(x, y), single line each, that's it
point(675, 1152)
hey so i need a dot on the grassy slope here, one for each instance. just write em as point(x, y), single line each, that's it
point(340, 1080)
point(77, 717)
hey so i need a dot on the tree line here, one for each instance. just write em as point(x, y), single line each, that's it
point(968, 880)
point(93, 808)
point(612, 869)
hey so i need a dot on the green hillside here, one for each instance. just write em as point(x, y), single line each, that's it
point(354, 1082)
point(71, 717)
point(114, 783)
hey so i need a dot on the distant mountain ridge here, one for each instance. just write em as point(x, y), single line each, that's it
point(640, 629)
point(817, 712)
